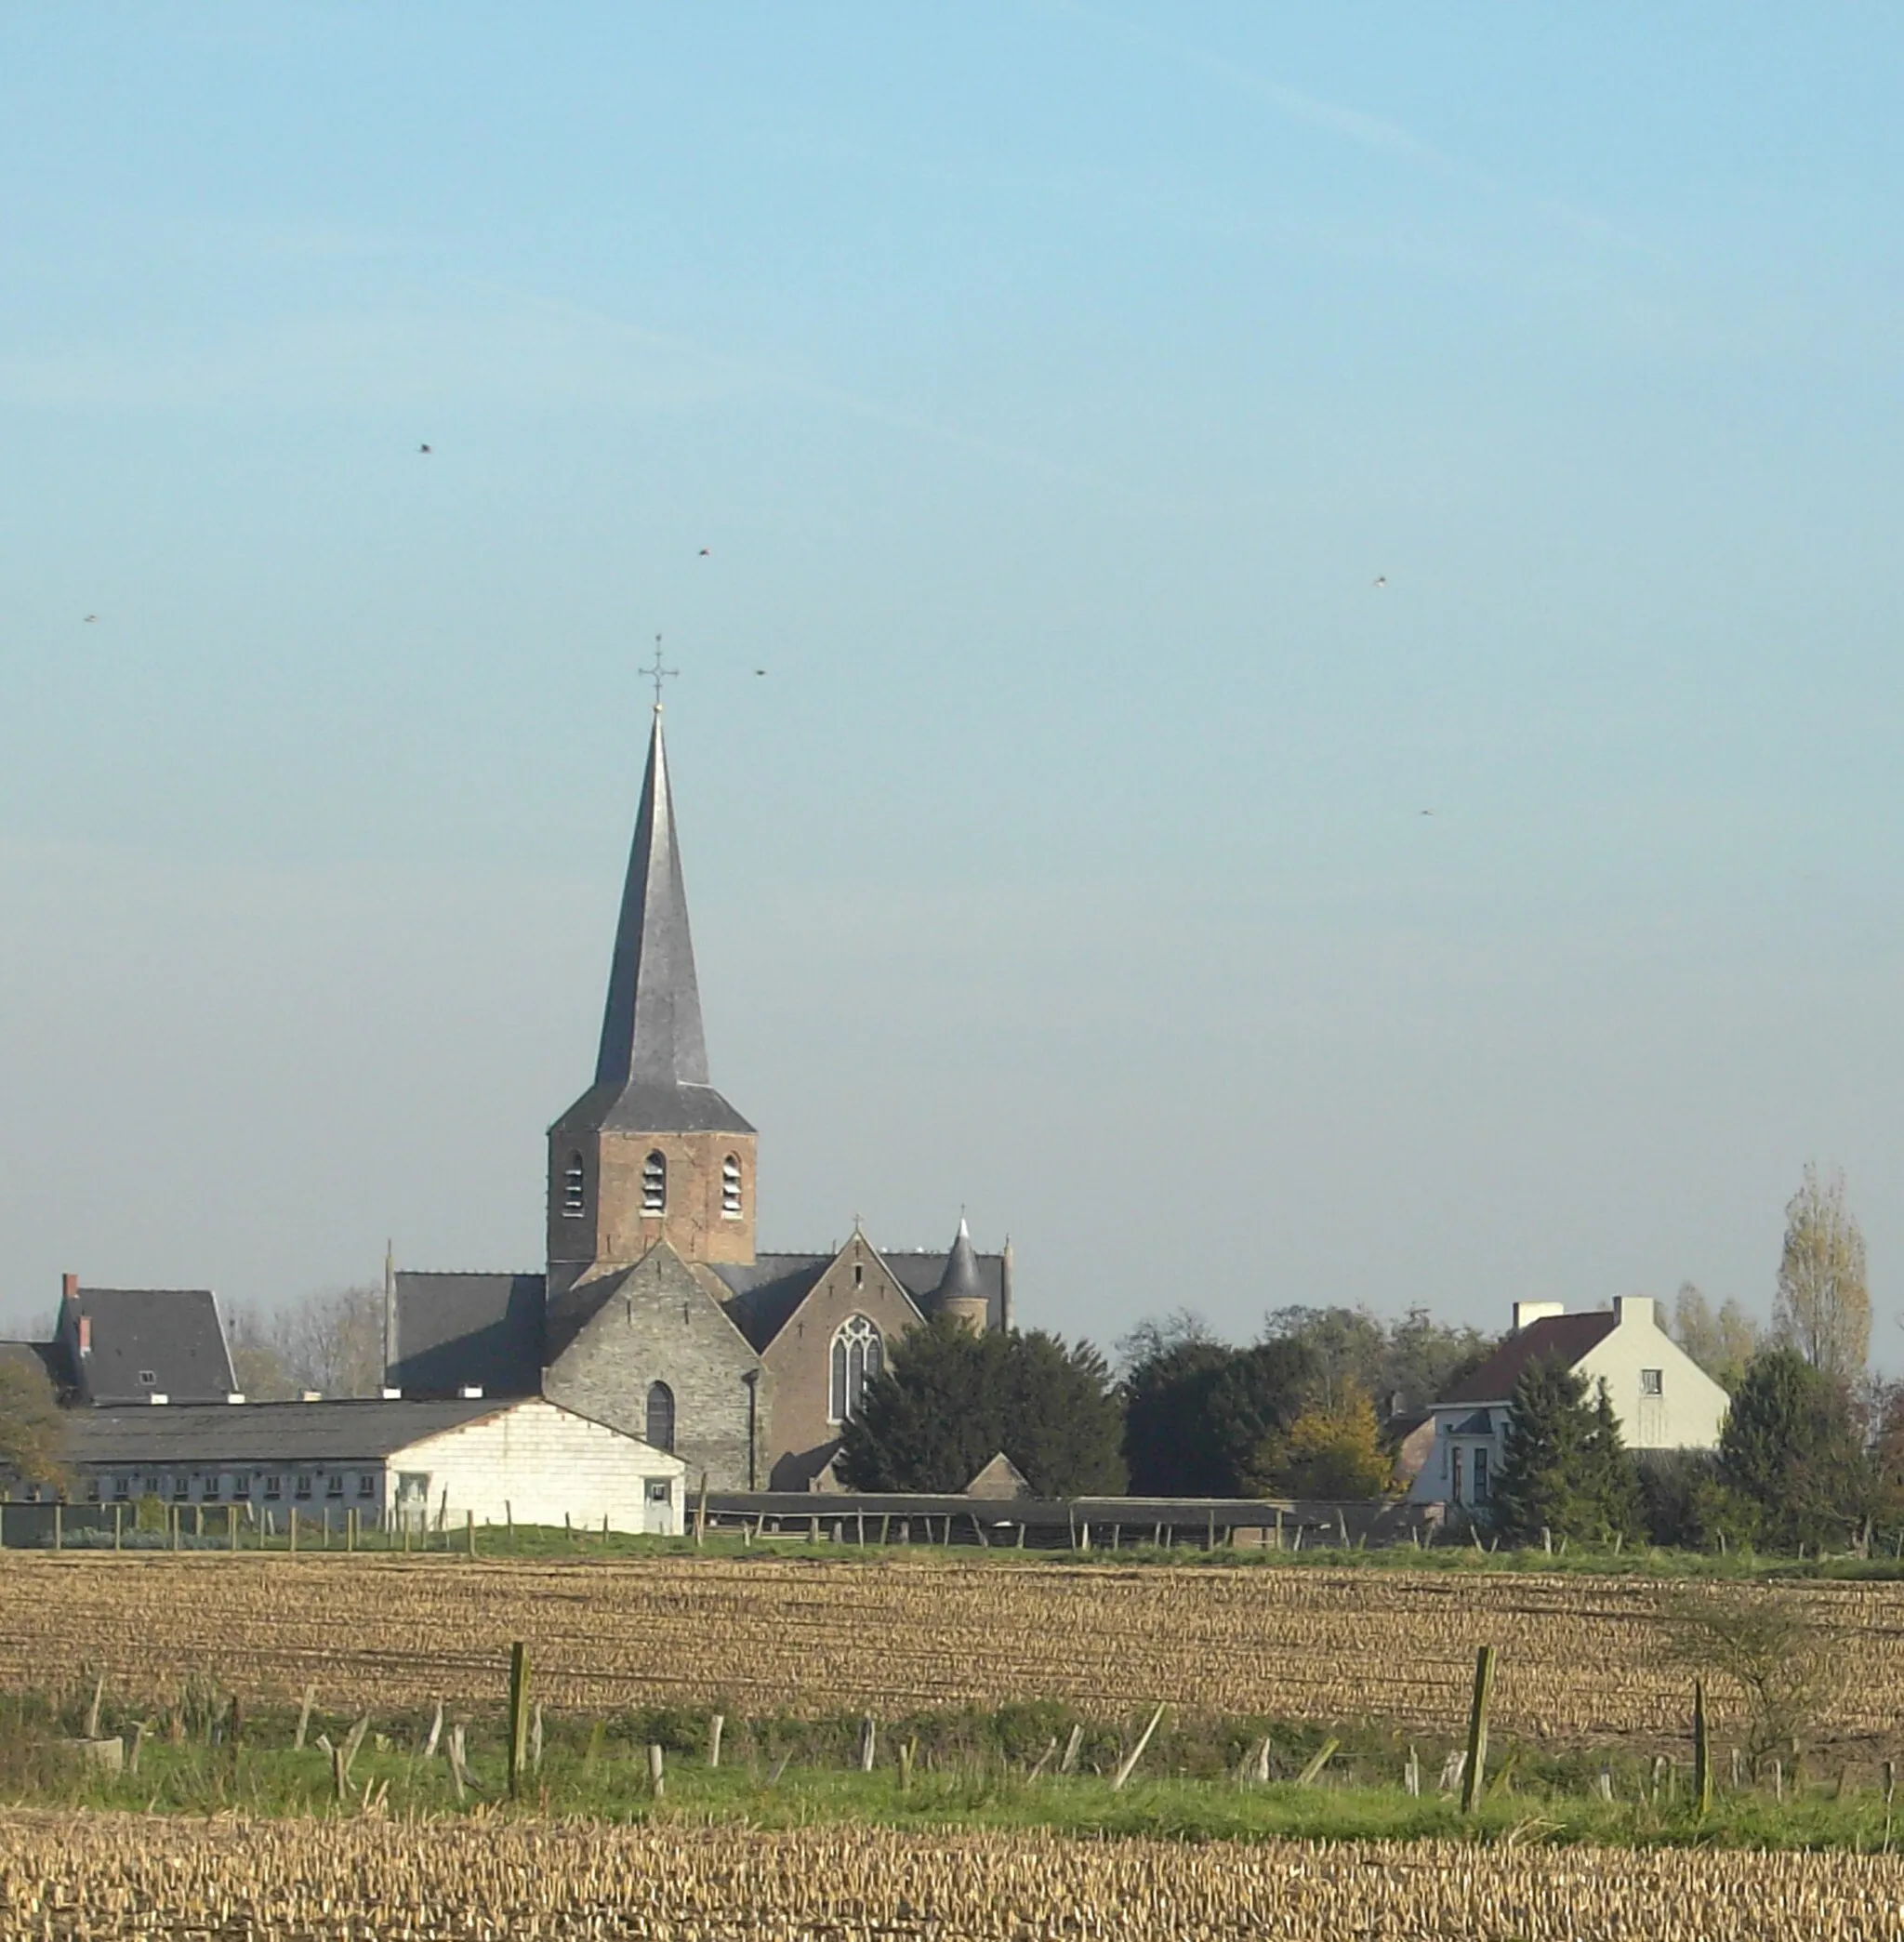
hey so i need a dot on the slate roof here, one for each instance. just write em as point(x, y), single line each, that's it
point(455, 1330)
point(768, 1288)
point(960, 1282)
point(650, 1070)
point(1565, 1338)
point(235, 1435)
point(921, 1271)
point(171, 1334)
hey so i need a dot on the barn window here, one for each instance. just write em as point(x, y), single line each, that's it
point(730, 1188)
point(303, 1488)
point(857, 1356)
point(660, 1416)
point(92, 1490)
point(334, 1483)
point(367, 1483)
point(148, 1377)
point(574, 1188)
point(654, 1184)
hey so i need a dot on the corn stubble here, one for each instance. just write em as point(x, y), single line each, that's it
point(146, 1877)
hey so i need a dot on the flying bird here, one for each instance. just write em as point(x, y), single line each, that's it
point(1381, 579)
point(422, 448)
point(760, 670)
point(705, 551)
point(92, 616)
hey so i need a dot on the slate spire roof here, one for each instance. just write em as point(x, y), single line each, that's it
point(960, 1280)
point(651, 1072)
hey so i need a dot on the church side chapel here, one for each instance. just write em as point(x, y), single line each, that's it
point(658, 1314)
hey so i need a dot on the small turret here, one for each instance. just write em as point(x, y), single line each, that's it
point(961, 1294)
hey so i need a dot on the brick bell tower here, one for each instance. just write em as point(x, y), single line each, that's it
point(650, 1150)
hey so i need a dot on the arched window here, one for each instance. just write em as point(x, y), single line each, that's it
point(654, 1184)
point(858, 1354)
point(575, 1188)
point(729, 1187)
point(660, 1416)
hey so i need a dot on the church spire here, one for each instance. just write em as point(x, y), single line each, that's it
point(650, 1028)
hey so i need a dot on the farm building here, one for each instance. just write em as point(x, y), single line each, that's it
point(495, 1459)
point(131, 1344)
point(1664, 1400)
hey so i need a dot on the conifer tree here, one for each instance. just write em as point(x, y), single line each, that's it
point(1563, 1468)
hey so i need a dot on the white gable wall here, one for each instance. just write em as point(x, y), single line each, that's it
point(1689, 1410)
point(538, 1463)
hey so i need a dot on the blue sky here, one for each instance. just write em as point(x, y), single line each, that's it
point(1156, 453)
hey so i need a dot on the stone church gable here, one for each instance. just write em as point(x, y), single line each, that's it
point(804, 1435)
point(617, 1335)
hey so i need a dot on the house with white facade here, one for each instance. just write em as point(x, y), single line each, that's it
point(440, 1463)
point(1664, 1400)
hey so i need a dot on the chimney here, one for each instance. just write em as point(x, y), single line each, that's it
point(158, 1395)
point(392, 1396)
point(471, 1392)
point(1525, 1312)
point(69, 1287)
point(235, 1395)
point(1636, 1310)
point(85, 1333)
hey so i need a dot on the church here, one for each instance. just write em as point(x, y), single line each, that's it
point(657, 1314)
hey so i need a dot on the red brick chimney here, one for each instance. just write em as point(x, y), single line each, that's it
point(69, 1287)
point(86, 1335)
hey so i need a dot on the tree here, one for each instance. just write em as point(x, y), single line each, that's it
point(1721, 1341)
point(33, 1433)
point(1415, 1360)
point(1771, 1649)
point(1563, 1466)
point(1328, 1452)
point(1167, 1447)
point(1823, 1307)
point(330, 1340)
point(949, 1401)
point(1791, 1450)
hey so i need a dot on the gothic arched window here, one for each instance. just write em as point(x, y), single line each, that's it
point(654, 1184)
point(575, 1188)
point(660, 1416)
point(729, 1187)
point(858, 1354)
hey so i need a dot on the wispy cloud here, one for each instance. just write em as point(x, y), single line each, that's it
point(1374, 133)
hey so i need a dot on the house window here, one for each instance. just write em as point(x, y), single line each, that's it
point(575, 1189)
point(180, 1487)
point(273, 1488)
point(367, 1483)
point(147, 1378)
point(1652, 1381)
point(121, 1489)
point(660, 1416)
point(334, 1483)
point(659, 1491)
point(730, 1188)
point(303, 1485)
point(857, 1355)
point(654, 1184)
point(1480, 1476)
point(92, 1490)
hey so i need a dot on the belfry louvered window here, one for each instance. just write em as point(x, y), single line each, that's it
point(858, 1354)
point(574, 1188)
point(729, 1187)
point(654, 1184)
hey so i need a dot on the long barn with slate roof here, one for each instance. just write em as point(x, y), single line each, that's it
point(656, 1312)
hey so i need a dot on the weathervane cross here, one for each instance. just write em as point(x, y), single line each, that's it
point(658, 674)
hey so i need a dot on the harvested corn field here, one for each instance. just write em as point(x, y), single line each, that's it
point(141, 1878)
point(1581, 1658)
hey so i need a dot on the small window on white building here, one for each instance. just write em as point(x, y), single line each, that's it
point(729, 1187)
point(654, 1184)
point(1652, 1381)
point(659, 1491)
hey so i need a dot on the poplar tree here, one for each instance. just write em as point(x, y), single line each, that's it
point(1823, 1308)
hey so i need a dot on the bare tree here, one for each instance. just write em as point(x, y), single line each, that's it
point(1771, 1650)
point(1823, 1308)
point(330, 1340)
point(1722, 1340)
point(257, 1359)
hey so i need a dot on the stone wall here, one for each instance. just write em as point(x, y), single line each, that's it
point(655, 1322)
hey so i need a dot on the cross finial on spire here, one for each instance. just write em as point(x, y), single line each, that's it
point(658, 674)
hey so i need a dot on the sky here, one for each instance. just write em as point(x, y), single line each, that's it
point(1287, 626)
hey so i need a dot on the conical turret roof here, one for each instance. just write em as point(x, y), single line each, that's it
point(960, 1281)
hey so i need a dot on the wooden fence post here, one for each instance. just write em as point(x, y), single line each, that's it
point(1478, 1729)
point(868, 1743)
point(519, 1715)
point(701, 1514)
point(1701, 1754)
point(58, 1535)
point(470, 1531)
point(1136, 1752)
point(118, 1530)
point(716, 1727)
point(658, 1778)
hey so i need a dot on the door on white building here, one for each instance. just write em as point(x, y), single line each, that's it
point(412, 1500)
point(658, 1503)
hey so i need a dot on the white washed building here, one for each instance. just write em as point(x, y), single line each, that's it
point(1664, 1400)
point(495, 1459)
